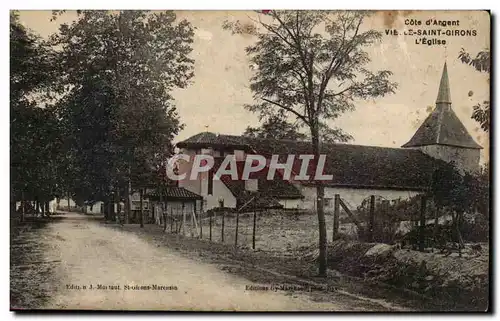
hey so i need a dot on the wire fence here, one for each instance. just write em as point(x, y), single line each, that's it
point(264, 230)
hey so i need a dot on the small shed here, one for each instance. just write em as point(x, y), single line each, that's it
point(175, 200)
point(94, 207)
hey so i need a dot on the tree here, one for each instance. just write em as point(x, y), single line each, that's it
point(460, 193)
point(117, 71)
point(310, 65)
point(34, 130)
point(482, 63)
point(275, 127)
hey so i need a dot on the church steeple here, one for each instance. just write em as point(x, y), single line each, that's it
point(444, 96)
point(442, 126)
point(443, 136)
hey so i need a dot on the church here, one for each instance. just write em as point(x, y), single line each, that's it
point(357, 171)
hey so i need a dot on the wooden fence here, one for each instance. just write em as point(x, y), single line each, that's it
point(218, 226)
point(245, 230)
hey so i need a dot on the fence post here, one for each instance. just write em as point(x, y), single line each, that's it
point(176, 222)
point(436, 224)
point(236, 232)
point(210, 235)
point(421, 239)
point(171, 220)
point(201, 225)
point(372, 217)
point(222, 227)
point(23, 204)
point(221, 206)
point(183, 221)
point(254, 224)
point(336, 214)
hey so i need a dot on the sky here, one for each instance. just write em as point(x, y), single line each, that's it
point(220, 88)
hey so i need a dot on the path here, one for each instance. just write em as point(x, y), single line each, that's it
point(89, 253)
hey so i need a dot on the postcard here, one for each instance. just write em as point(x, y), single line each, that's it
point(261, 160)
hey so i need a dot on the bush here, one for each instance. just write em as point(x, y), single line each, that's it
point(471, 230)
point(475, 229)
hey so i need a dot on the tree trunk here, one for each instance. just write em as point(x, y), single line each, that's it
point(436, 226)
point(22, 206)
point(47, 208)
point(162, 207)
point(12, 206)
point(117, 200)
point(12, 202)
point(459, 240)
point(37, 206)
point(127, 199)
point(460, 219)
point(371, 221)
point(111, 207)
point(141, 218)
point(43, 209)
point(421, 233)
point(127, 203)
point(68, 203)
point(320, 194)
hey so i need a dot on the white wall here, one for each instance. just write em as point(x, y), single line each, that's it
point(220, 190)
point(64, 202)
point(52, 205)
point(185, 167)
point(135, 199)
point(200, 186)
point(96, 208)
point(291, 203)
point(466, 159)
point(352, 196)
point(122, 207)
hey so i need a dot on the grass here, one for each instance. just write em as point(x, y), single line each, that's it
point(283, 232)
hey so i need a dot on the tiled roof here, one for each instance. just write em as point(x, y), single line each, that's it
point(354, 166)
point(247, 201)
point(175, 192)
point(208, 139)
point(442, 127)
point(276, 188)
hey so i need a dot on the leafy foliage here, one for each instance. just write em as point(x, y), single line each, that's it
point(275, 128)
point(35, 135)
point(91, 109)
point(311, 65)
point(312, 73)
point(117, 71)
point(482, 63)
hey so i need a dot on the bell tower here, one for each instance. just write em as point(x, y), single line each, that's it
point(443, 136)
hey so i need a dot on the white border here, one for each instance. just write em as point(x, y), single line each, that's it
point(191, 5)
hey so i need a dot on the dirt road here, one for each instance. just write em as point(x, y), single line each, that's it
point(99, 267)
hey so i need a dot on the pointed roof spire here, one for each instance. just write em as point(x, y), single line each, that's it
point(444, 95)
point(442, 126)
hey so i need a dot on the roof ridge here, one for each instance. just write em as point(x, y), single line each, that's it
point(328, 144)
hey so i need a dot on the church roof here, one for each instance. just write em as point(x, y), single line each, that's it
point(442, 126)
point(354, 166)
